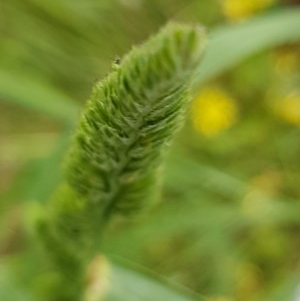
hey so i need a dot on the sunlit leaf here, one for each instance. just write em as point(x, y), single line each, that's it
point(36, 94)
point(232, 44)
point(128, 285)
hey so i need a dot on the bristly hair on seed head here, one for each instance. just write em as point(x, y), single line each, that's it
point(131, 117)
point(113, 165)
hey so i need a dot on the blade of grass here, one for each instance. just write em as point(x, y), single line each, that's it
point(232, 44)
point(128, 285)
point(36, 94)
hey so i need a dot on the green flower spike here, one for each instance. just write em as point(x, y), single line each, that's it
point(114, 161)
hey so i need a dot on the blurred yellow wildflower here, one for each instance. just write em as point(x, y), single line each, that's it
point(222, 298)
point(236, 10)
point(213, 111)
point(270, 182)
point(257, 202)
point(256, 205)
point(248, 280)
point(288, 108)
point(287, 59)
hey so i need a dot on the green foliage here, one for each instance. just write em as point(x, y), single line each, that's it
point(228, 225)
point(8, 287)
point(227, 47)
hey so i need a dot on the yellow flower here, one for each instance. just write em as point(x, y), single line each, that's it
point(213, 111)
point(248, 280)
point(289, 108)
point(222, 298)
point(236, 10)
point(287, 59)
point(257, 203)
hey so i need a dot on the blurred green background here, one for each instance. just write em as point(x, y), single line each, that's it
point(228, 226)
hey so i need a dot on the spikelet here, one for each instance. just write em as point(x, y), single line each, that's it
point(116, 153)
point(129, 120)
